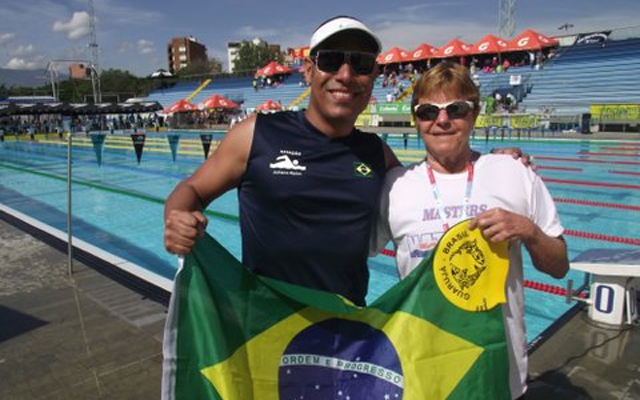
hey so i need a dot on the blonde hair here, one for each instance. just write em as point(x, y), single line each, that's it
point(450, 79)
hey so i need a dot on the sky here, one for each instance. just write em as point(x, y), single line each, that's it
point(133, 34)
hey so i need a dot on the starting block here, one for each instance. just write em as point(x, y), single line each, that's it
point(613, 293)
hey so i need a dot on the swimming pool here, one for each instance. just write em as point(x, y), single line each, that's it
point(118, 205)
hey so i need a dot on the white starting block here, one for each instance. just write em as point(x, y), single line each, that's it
point(613, 287)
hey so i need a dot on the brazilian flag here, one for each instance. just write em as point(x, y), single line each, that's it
point(232, 335)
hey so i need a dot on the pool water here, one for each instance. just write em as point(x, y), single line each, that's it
point(118, 205)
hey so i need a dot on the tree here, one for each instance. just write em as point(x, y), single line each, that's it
point(118, 81)
point(253, 56)
point(198, 67)
point(4, 91)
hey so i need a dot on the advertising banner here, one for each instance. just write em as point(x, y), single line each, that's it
point(615, 111)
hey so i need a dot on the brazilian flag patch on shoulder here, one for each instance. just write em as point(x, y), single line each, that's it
point(362, 170)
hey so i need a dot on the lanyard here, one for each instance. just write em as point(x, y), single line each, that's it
point(436, 193)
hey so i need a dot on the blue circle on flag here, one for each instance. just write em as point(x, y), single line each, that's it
point(340, 359)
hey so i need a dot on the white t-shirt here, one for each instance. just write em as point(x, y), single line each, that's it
point(410, 217)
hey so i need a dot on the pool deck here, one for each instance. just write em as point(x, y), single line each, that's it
point(91, 337)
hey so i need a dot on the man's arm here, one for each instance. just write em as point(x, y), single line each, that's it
point(548, 253)
point(222, 171)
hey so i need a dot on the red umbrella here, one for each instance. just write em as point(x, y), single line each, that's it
point(217, 101)
point(273, 68)
point(489, 44)
point(395, 55)
point(531, 40)
point(180, 106)
point(422, 52)
point(269, 105)
point(456, 47)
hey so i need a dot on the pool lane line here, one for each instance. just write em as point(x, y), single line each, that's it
point(602, 237)
point(586, 183)
point(613, 171)
point(622, 149)
point(627, 207)
point(575, 159)
point(589, 153)
point(632, 143)
point(93, 185)
point(573, 169)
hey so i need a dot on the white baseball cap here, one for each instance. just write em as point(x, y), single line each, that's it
point(343, 24)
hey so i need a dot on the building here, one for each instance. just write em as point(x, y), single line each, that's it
point(232, 54)
point(79, 71)
point(183, 51)
point(234, 47)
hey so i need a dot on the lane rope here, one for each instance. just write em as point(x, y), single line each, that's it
point(569, 159)
point(588, 153)
point(602, 237)
point(614, 171)
point(559, 168)
point(628, 207)
point(598, 184)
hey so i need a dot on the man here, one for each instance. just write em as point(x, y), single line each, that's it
point(308, 182)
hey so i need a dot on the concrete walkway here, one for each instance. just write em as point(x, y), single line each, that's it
point(82, 338)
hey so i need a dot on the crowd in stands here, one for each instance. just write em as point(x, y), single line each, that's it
point(501, 63)
point(30, 125)
point(500, 102)
point(398, 77)
point(262, 82)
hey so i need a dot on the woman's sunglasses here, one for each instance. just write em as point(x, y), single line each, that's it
point(330, 61)
point(455, 109)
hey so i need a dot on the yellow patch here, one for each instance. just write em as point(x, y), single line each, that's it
point(470, 271)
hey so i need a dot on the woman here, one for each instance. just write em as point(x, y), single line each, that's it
point(504, 199)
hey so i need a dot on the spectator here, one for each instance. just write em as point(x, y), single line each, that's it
point(455, 183)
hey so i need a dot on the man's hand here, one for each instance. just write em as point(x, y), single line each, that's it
point(516, 153)
point(181, 230)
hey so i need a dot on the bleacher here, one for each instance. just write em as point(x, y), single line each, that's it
point(168, 96)
point(568, 84)
point(239, 90)
point(581, 75)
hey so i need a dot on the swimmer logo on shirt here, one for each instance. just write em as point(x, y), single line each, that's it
point(470, 271)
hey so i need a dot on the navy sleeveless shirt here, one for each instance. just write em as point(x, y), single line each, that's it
point(308, 202)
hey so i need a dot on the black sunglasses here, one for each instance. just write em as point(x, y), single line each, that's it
point(330, 61)
point(455, 109)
